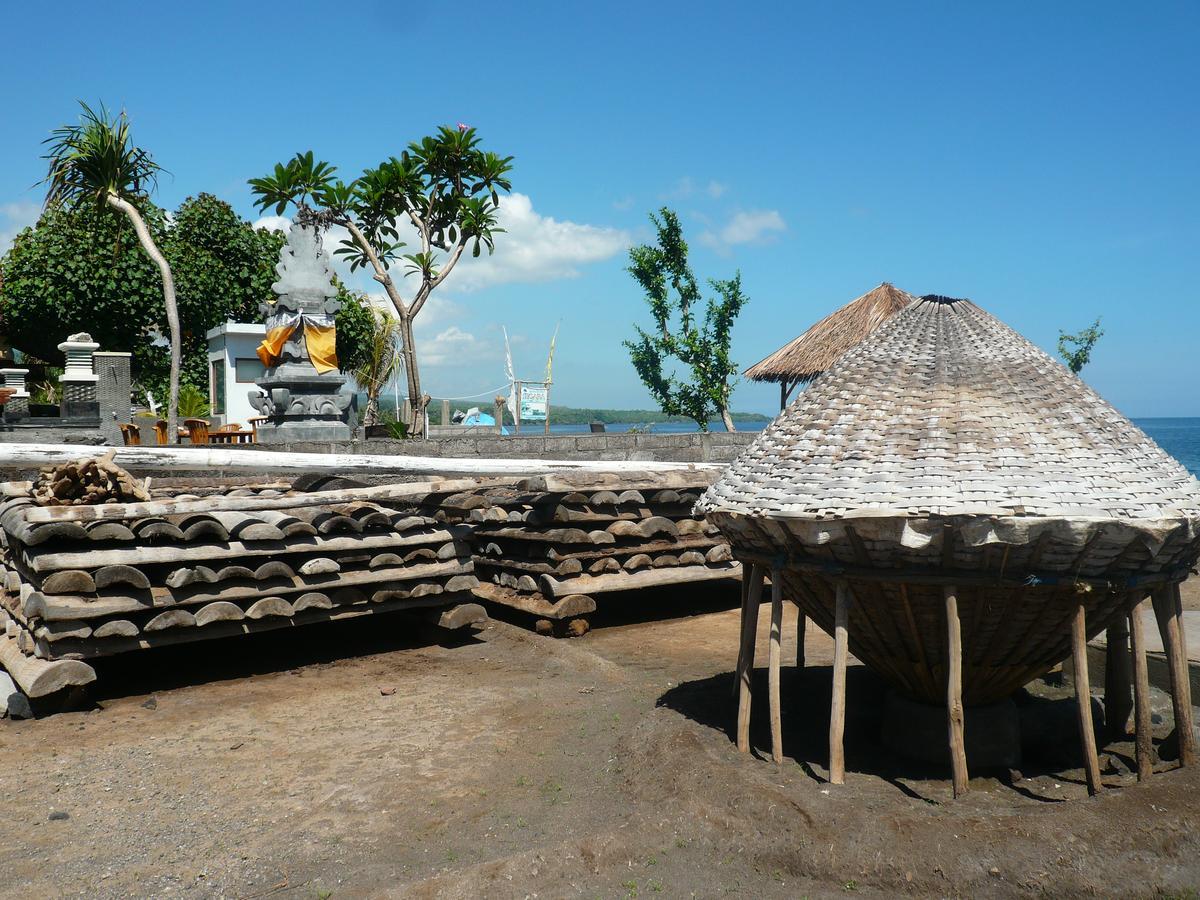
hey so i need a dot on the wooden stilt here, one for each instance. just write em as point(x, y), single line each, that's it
point(955, 717)
point(746, 662)
point(837, 712)
point(1083, 697)
point(801, 634)
point(1118, 680)
point(747, 571)
point(1141, 694)
point(1168, 610)
point(773, 659)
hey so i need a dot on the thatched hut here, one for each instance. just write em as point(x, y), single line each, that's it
point(801, 360)
point(961, 512)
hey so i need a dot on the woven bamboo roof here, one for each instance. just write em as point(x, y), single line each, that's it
point(944, 410)
point(807, 356)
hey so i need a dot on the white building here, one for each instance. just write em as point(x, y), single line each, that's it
point(233, 367)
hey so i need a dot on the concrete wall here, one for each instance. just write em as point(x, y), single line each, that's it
point(714, 447)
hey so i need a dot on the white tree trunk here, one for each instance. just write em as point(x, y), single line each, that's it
point(168, 287)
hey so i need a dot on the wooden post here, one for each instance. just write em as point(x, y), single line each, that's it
point(1083, 697)
point(445, 413)
point(1141, 693)
point(1168, 611)
point(773, 657)
point(955, 717)
point(498, 413)
point(747, 574)
point(837, 710)
point(746, 661)
point(801, 629)
point(1118, 680)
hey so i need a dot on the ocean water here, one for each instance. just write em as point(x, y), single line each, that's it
point(1178, 436)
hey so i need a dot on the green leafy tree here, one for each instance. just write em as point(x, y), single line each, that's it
point(1076, 349)
point(95, 162)
point(79, 270)
point(700, 343)
point(444, 185)
point(354, 325)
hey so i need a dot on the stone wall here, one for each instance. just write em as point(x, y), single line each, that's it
point(719, 447)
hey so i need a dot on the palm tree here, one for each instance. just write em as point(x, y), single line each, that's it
point(97, 162)
point(380, 361)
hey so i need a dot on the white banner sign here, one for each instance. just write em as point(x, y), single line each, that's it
point(533, 402)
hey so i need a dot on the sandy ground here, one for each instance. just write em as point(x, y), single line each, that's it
point(512, 765)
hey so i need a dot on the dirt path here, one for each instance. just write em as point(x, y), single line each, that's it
point(513, 765)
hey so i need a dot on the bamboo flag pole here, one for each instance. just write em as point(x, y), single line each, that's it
point(773, 658)
point(954, 705)
point(1141, 691)
point(837, 709)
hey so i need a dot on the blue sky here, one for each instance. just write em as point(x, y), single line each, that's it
point(1040, 159)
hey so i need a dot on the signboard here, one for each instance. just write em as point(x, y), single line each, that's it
point(533, 402)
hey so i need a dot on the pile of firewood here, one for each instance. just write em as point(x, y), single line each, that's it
point(86, 482)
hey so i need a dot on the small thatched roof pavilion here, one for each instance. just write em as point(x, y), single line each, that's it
point(801, 360)
point(961, 512)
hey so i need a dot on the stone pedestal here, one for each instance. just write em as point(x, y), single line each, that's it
point(78, 380)
point(113, 385)
point(17, 407)
point(300, 403)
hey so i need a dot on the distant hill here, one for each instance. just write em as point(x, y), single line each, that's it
point(572, 415)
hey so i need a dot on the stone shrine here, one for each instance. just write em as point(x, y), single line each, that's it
point(302, 390)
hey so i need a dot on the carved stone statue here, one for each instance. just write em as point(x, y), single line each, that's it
point(301, 390)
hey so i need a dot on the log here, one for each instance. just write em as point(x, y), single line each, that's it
point(1141, 693)
point(269, 606)
point(1083, 698)
point(461, 616)
point(1118, 680)
point(172, 618)
point(116, 628)
point(70, 581)
point(534, 604)
point(955, 718)
point(219, 611)
point(210, 458)
point(837, 709)
point(745, 673)
point(109, 576)
point(39, 678)
point(626, 581)
point(1169, 612)
point(773, 658)
point(45, 561)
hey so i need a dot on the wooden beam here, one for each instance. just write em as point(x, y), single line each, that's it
point(955, 717)
point(1141, 693)
point(625, 581)
point(1083, 699)
point(745, 673)
point(1168, 610)
point(1118, 680)
point(39, 677)
point(773, 659)
point(747, 571)
point(837, 709)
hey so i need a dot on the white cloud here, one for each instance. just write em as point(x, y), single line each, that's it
point(272, 223)
point(715, 189)
point(535, 248)
point(13, 218)
point(451, 346)
point(748, 227)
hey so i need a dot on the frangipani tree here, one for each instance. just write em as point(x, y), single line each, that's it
point(445, 186)
point(96, 162)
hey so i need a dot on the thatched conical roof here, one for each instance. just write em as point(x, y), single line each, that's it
point(945, 410)
point(807, 356)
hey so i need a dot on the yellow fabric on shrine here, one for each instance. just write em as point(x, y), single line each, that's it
point(321, 341)
point(268, 351)
point(322, 346)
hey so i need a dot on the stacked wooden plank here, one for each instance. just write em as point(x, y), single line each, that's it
point(546, 546)
point(89, 581)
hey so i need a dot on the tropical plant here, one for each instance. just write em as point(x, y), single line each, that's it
point(1076, 349)
point(354, 324)
point(380, 361)
point(95, 162)
point(193, 403)
point(444, 185)
point(666, 278)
